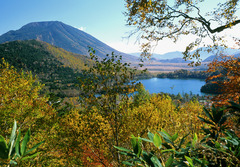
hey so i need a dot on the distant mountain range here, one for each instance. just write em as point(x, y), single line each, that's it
point(213, 57)
point(64, 36)
point(169, 55)
point(173, 60)
point(176, 57)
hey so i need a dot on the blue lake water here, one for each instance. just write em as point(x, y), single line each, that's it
point(173, 86)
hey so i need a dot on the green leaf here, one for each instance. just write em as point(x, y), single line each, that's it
point(127, 163)
point(206, 121)
point(217, 145)
point(168, 150)
point(167, 145)
point(207, 131)
point(166, 137)
point(223, 120)
point(128, 154)
point(24, 142)
point(3, 148)
point(13, 134)
point(151, 136)
point(174, 137)
point(156, 161)
point(157, 141)
point(136, 144)
point(218, 116)
point(208, 114)
point(17, 145)
point(12, 138)
point(12, 162)
point(194, 141)
point(146, 140)
point(34, 147)
point(3, 144)
point(167, 134)
point(122, 149)
point(169, 161)
point(182, 141)
point(189, 160)
point(133, 141)
point(31, 156)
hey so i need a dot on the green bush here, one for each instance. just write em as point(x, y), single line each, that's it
point(219, 147)
point(14, 151)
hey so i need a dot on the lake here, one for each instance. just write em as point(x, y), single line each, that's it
point(173, 86)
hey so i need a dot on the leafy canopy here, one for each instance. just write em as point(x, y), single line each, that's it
point(156, 20)
point(227, 79)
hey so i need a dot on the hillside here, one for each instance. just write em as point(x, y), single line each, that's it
point(63, 36)
point(56, 68)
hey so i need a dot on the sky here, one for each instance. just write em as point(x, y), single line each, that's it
point(103, 19)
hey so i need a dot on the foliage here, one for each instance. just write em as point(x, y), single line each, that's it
point(160, 112)
point(211, 88)
point(235, 109)
point(227, 78)
point(83, 138)
point(14, 151)
point(212, 150)
point(104, 90)
point(184, 74)
point(156, 20)
point(20, 99)
point(142, 95)
point(87, 131)
point(55, 67)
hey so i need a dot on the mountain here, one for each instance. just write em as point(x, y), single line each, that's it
point(221, 50)
point(63, 36)
point(210, 58)
point(213, 57)
point(57, 68)
point(203, 53)
point(169, 55)
point(173, 60)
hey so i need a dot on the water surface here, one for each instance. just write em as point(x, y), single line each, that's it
point(173, 86)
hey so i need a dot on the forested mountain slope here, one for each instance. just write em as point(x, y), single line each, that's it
point(55, 67)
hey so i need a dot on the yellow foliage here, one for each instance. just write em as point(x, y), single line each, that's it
point(160, 113)
point(80, 129)
point(20, 100)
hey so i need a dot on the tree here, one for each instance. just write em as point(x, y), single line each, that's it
point(142, 95)
point(20, 100)
point(227, 78)
point(105, 89)
point(219, 147)
point(156, 20)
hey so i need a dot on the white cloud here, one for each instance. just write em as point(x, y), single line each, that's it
point(82, 28)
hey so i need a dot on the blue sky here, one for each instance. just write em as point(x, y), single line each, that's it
point(102, 19)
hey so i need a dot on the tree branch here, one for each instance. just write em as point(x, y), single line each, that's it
point(221, 28)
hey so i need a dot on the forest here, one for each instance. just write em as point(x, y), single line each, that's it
point(114, 121)
point(96, 130)
point(184, 74)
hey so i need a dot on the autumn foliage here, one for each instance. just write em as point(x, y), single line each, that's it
point(85, 133)
point(228, 79)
